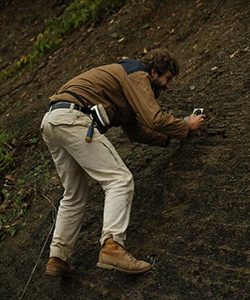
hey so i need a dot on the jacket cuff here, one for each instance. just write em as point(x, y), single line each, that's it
point(167, 141)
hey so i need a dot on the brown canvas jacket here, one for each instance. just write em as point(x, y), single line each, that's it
point(129, 102)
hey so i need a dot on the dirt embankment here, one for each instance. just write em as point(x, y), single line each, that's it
point(191, 207)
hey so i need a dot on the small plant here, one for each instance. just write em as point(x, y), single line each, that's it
point(21, 190)
point(11, 217)
point(6, 158)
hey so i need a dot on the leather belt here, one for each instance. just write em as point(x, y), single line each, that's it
point(66, 104)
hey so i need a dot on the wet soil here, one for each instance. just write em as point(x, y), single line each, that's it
point(191, 208)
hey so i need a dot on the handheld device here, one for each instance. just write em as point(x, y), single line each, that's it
point(198, 111)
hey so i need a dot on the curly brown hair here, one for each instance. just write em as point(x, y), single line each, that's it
point(161, 61)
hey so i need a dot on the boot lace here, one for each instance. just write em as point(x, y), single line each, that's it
point(130, 256)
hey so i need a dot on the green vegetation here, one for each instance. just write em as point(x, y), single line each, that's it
point(19, 191)
point(11, 217)
point(6, 159)
point(78, 13)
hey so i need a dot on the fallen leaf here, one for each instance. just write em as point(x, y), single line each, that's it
point(9, 178)
point(233, 54)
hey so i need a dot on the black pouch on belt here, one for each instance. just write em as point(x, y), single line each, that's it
point(100, 118)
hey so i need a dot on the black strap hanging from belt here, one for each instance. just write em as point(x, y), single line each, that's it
point(77, 96)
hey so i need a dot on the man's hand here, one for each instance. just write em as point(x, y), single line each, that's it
point(195, 122)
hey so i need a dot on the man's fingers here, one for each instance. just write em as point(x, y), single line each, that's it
point(201, 116)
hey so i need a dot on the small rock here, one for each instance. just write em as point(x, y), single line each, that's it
point(145, 26)
point(214, 68)
point(192, 87)
point(114, 35)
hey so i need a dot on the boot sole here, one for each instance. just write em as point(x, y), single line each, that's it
point(53, 274)
point(56, 274)
point(112, 267)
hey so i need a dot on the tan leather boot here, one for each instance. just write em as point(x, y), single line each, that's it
point(59, 268)
point(114, 256)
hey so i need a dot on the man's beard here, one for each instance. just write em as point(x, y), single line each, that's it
point(156, 88)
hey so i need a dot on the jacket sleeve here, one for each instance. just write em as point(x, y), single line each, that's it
point(138, 92)
point(141, 134)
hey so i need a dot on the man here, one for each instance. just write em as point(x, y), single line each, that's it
point(127, 91)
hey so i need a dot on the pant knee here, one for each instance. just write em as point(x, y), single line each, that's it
point(124, 182)
point(130, 182)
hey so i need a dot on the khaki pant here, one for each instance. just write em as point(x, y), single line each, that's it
point(64, 132)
